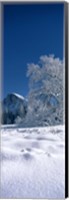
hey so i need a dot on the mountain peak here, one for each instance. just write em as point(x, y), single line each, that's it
point(19, 96)
point(16, 95)
point(14, 107)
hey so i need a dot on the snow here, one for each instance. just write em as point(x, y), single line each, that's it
point(19, 96)
point(33, 162)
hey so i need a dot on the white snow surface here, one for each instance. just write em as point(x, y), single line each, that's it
point(33, 162)
point(19, 96)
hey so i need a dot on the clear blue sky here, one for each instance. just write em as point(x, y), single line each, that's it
point(29, 32)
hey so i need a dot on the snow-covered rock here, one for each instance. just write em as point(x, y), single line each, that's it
point(14, 108)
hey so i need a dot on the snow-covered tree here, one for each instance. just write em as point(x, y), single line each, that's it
point(46, 89)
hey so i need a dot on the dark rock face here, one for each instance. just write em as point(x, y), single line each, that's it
point(14, 109)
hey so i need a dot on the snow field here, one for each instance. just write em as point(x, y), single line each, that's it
point(33, 162)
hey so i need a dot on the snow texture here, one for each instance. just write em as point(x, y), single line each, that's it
point(32, 162)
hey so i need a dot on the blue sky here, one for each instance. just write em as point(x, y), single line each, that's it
point(29, 32)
